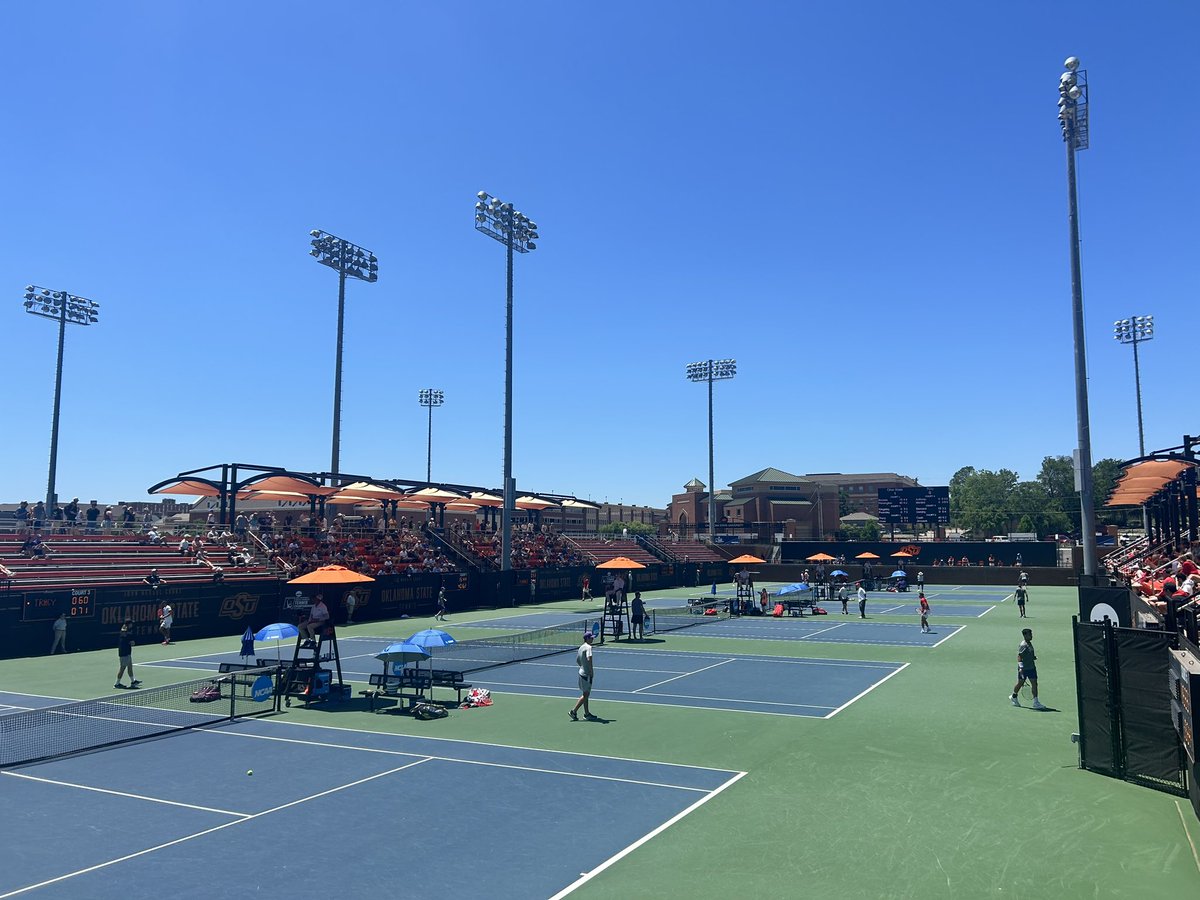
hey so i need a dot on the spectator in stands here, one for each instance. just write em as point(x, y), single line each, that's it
point(240, 524)
point(35, 548)
point(211, 520)
point(108, 520)
point(1187, 567)
point(21, 516)
point(153, 579)
point(318, 618)
point(218, 575)
point(71, 513)
point(153, 538)
point(127, 518)
point(39, 515)
point(6, 574)
point(148, 520)
point(92, 514)
point(185, 546)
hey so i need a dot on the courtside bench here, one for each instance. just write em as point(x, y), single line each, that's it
point(409, 686)
point(444, 678)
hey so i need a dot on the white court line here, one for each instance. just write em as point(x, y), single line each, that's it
point(1191, 843)
point(466, 762)
point(867, 691)
point(189, 837)
point(957, 629)
point(985, 612)
point(85, 787)
point(585, 877)
point(740, 700)
point(790, 660)
point(723, 662)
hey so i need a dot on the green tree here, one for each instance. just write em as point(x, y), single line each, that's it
point(634, 528)
point(982, 499)
point(863, 531)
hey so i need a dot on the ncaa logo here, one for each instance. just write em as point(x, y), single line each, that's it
point(238, 606)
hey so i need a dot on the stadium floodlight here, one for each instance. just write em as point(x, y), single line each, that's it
point(66, 309)
point(429, 397)
point(517, 232)
point(711, 370)
point(1136, 330)
point(1073, 119)
point(350, 261)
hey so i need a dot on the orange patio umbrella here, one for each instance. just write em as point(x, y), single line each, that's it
point(331, 575)
point(747, 559)
point(821, 557)
point(903, 553)
point(867, 555)
point(620, 562)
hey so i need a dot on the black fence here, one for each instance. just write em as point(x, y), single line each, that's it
point(1125, 727)
point(203, 609)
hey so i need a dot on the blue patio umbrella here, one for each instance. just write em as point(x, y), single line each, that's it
point(899, 573)
point(399, 653)
point(248, 642)
point(278, 632)
point(797, 588)
point(428, 639)
point(838, 572)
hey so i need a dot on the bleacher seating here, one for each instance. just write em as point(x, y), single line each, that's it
point(111, 559)
point(599, 550)
point(692, 551)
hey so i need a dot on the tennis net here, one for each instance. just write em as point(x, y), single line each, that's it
point(685, 617)
point(36, 735)
point(487, 653)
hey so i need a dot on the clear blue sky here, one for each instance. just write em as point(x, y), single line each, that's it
point(864, 204)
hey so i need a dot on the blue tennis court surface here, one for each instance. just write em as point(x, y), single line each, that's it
point(641, 674)
point(775, 685)
point(330, 812)
point(832, 629)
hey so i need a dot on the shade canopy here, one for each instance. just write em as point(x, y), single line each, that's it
point(533, 503)
point(435, 495)
point(621, 562)
point(820, 557)
point(867, 555)
point(484, 499)
point(289, 483)
point(373, 491)
point(191, 487)
point(903, 553)
point(331, 575)
point(747, 558)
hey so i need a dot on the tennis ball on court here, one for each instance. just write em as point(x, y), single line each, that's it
point(249, 771)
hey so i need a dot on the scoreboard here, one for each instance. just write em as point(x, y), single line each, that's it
point(1184, 670)
point(930, 505)
point(46, 606)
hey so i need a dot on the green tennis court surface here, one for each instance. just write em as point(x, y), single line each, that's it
point(928, 786)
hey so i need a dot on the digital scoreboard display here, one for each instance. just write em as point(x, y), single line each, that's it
point(46, 606)
point(1184, 669)
point(915, 505)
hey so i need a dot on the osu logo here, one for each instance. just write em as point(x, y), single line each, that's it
point(238, 606)
point(912, 550)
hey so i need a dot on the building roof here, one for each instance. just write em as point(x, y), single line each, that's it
point(694, 485)
point(769, 474)
point(862, 478)
point(854, 518)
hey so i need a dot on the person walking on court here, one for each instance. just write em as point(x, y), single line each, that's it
point(125, 644)
point(1022, 595)
point(1023, 580)
point(1026, 670)
point(924, 610)
point(637, 617)
point(583, 658)
point(862, 601)
point(587, 588)
point(441, 613)
point(166, 618)
point(844, 596)
point(60, 634)
point(920, 582)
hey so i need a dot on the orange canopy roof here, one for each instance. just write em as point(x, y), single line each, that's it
point(747, 558)
point(867, 555)
point(620, 562)
point(820, 557)
point(330, 575)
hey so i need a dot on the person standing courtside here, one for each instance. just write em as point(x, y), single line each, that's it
point(1026, 670)
point(844, 596)
point(60, 634)
point(862, 601)
point(587, 671)
point(125, 644)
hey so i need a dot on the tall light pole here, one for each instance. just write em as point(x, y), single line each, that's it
point(711, 370)
point(65, 309)
point(1073, 116)
point(350, 261)
point(516, 231)
point(1136, 330)
point(430, 398)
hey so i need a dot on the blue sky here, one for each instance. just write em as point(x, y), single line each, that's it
point(864, 204)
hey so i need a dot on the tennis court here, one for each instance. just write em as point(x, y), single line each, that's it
point(330, 812)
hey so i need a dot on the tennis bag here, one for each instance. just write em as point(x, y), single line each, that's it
point(777, 612)
point(427, 711)
point(206, 694)
point(819, 611)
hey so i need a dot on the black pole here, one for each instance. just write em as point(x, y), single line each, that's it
point(509, 493)
point(429, 448)
point(51, 494)
point(712, 485)
point(337, 371)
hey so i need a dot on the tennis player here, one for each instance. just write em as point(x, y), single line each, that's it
point(924, 609)
point(1026, 670)
point(583, 657)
